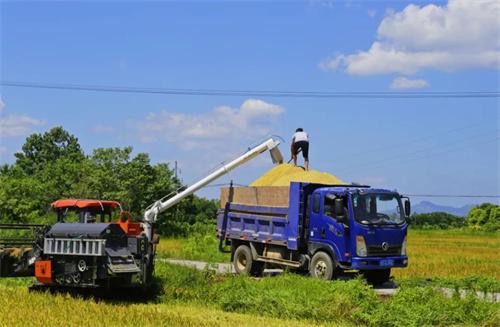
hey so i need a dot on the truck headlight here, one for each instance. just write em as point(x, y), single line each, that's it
point(360, 246)
point(403, 247)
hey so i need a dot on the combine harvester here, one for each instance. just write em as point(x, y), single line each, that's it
point(96, 251)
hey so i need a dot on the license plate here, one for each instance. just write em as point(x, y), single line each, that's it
point(386, 263)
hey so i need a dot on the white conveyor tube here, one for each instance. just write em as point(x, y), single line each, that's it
point(159, 206)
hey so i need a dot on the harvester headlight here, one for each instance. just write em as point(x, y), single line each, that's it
point(361, 246)
point(403, 247)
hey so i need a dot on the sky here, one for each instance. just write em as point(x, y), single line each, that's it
point(417, 146)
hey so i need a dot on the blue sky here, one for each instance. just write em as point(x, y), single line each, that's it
point(431, 146)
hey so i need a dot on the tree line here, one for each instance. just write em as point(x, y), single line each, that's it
point(52, 165)
point(485, 216)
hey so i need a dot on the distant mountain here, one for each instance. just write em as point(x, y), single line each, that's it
point(428, 207)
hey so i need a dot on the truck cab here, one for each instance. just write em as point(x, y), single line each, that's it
point(361, 228)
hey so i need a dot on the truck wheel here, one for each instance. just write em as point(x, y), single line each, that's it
point(378, 276)
point(244, 264)
point(322, 266)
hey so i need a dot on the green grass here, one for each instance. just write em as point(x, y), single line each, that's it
point(199, 247)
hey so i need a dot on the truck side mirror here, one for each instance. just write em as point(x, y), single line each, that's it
point(407, 208)
point(339, 211)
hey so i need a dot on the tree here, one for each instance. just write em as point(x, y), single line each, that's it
point(441, 220)
point(484, 216)
point(53, 166)
point(132, 181)
point(21, 198)
point(41, 149)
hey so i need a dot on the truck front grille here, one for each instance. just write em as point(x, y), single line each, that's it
point(378, 251)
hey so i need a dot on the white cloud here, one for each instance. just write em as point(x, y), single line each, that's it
point(333, 63)
point(217, 128)
point(406, 83)
point(103, 129)
point(16, 125)
point(462, 34)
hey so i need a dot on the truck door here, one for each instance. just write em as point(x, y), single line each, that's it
point(324, 227)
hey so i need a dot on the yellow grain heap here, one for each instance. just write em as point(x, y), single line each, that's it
point(283, 174)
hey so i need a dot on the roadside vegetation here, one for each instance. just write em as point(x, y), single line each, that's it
point(338, 302)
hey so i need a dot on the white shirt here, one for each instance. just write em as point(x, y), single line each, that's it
point(300, 136)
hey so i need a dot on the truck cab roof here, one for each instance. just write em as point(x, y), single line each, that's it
point(345, 189)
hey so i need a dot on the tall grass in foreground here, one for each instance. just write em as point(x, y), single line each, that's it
point(338, 302)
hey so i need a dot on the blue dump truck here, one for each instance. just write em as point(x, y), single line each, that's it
point(322, 229)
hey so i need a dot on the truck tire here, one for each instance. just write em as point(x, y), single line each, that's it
point(244, 264)
point(378, 276)
point(322, 266)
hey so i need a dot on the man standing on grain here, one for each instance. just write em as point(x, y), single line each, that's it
point(300, 141)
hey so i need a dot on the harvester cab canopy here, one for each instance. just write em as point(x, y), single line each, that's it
point(85, 211)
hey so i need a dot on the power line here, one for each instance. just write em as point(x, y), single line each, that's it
point(268, 93)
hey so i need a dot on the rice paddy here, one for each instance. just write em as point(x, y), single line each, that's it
point(451, 253)
point(19, 307)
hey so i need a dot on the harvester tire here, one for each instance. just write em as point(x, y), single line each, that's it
point(244, 264)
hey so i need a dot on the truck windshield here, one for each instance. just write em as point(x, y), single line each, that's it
point(378, 209)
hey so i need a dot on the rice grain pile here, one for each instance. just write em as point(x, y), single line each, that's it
point(283, 174)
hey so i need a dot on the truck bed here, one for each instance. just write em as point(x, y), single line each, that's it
point(254, 223)
point(274, 224)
